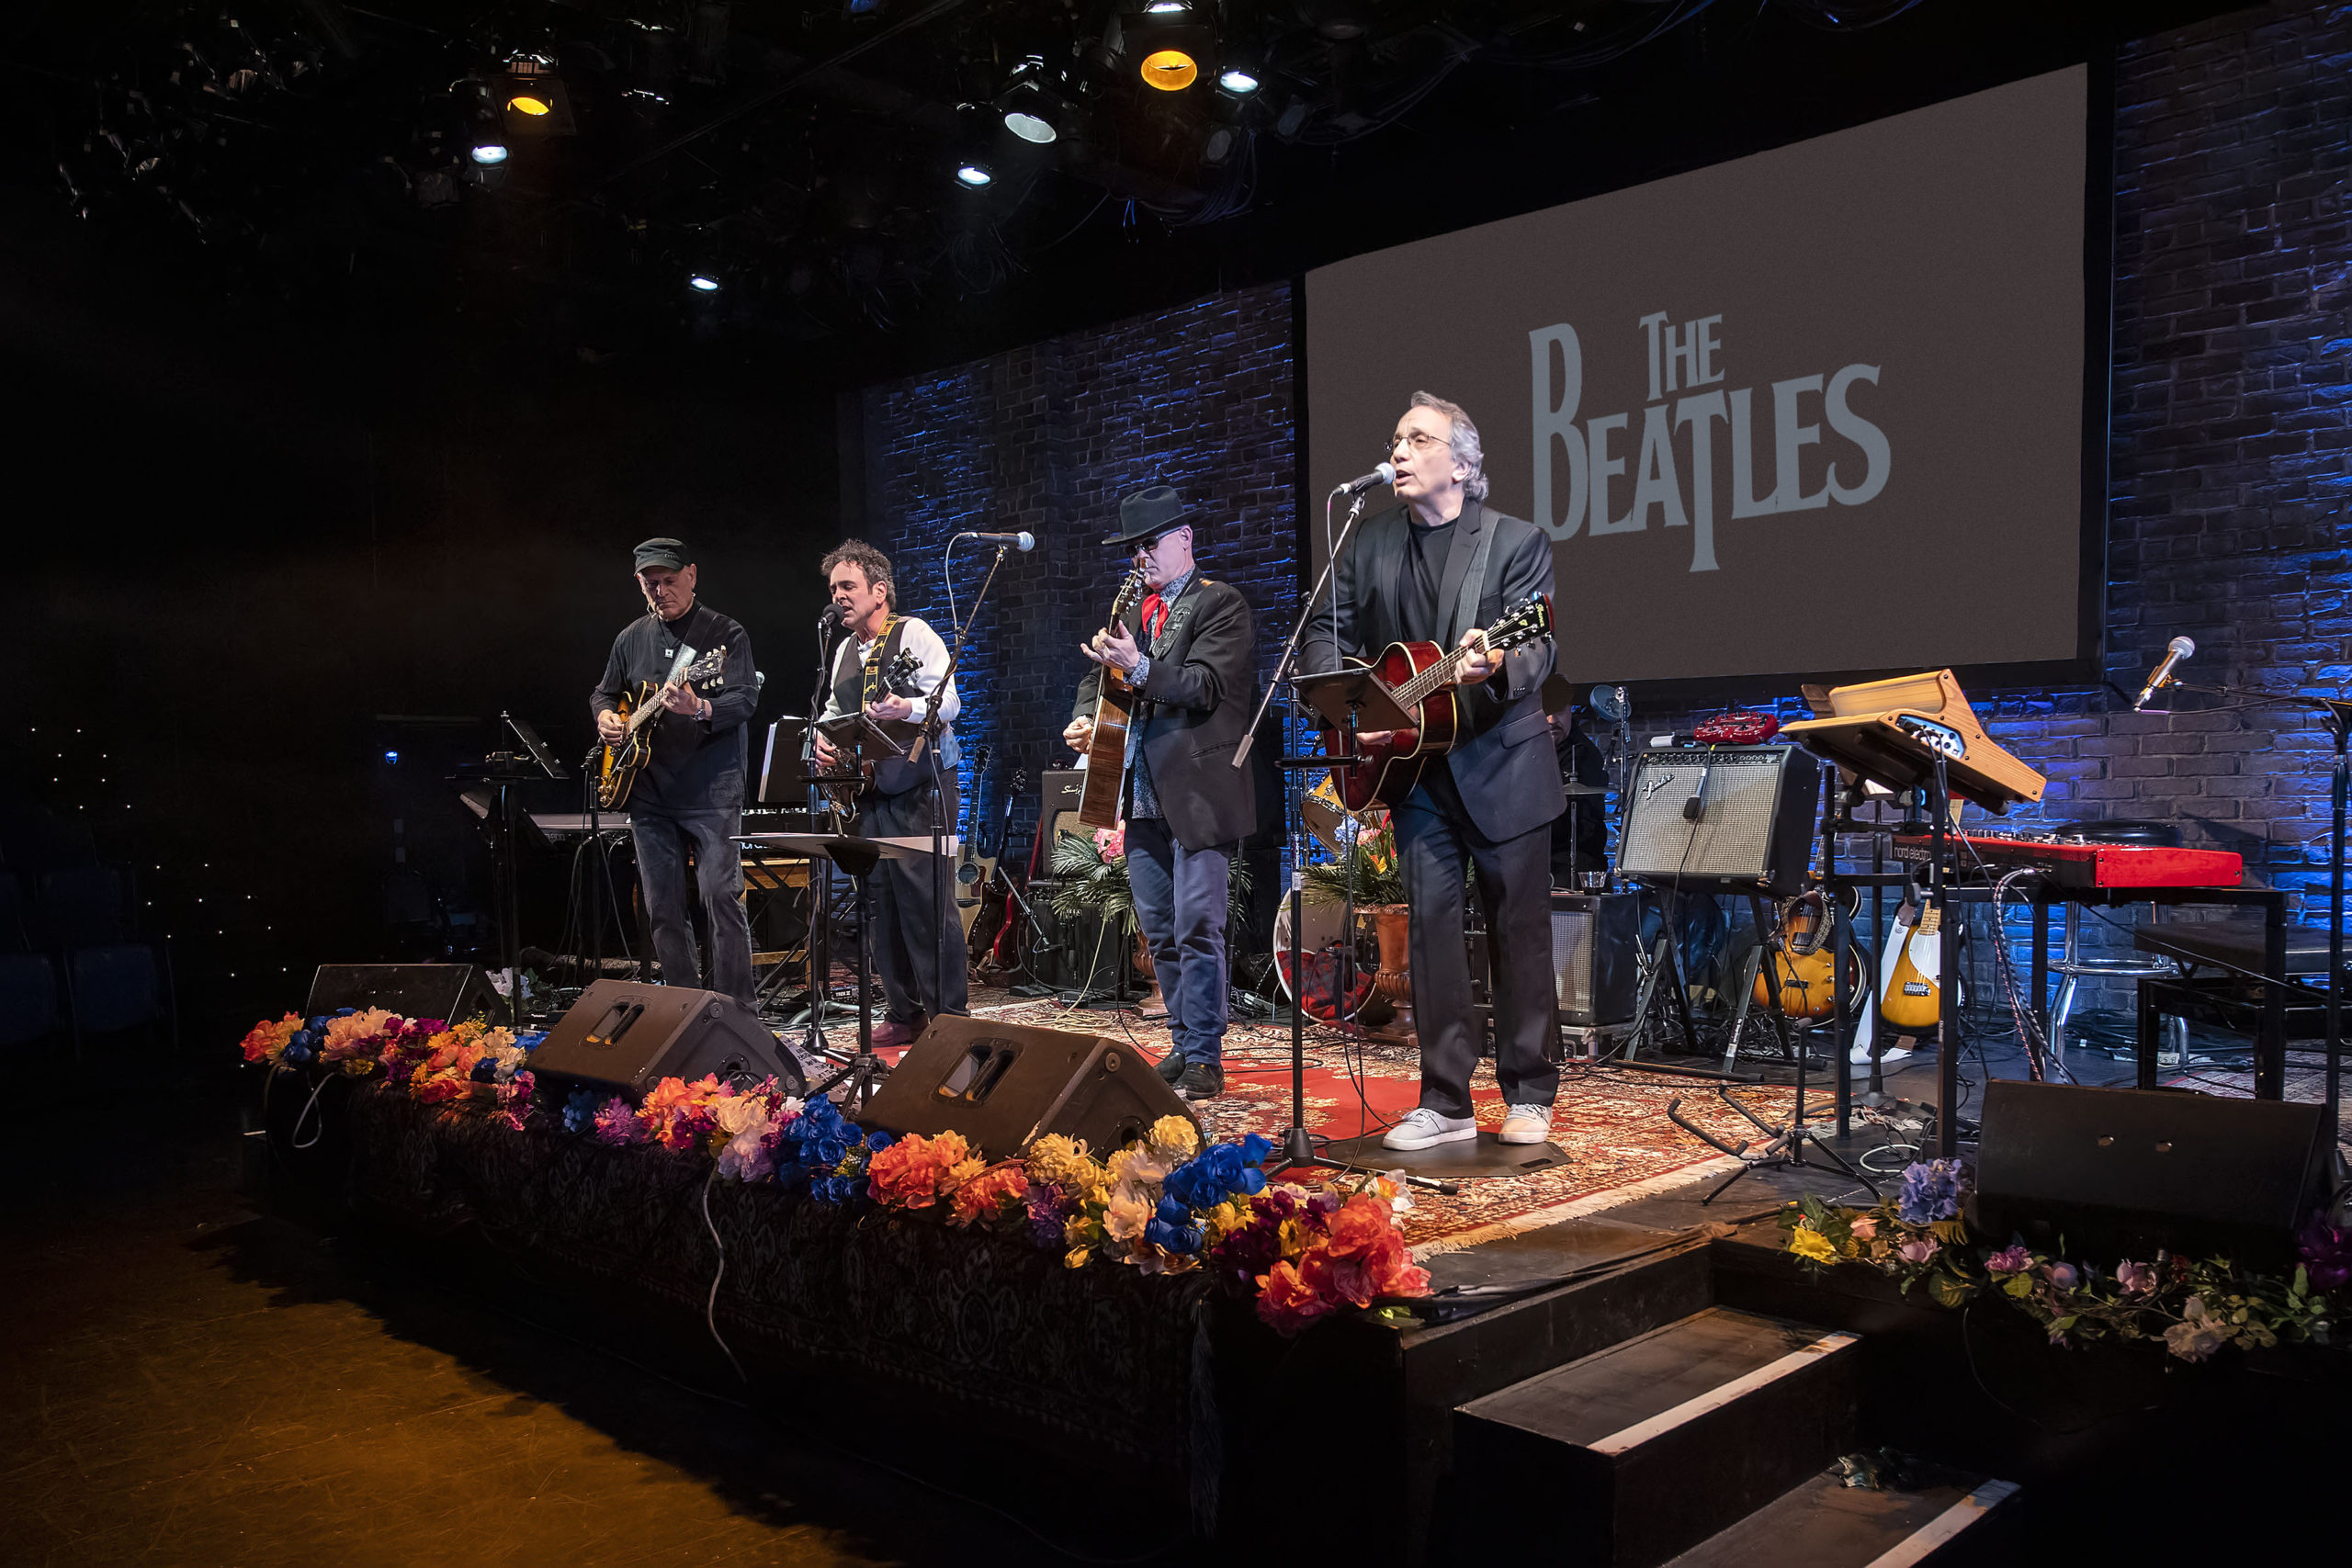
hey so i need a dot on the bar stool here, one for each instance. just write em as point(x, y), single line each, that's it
point(2073, 968)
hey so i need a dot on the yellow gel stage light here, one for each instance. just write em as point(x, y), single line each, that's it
point(1170, 70)
point(523, 103)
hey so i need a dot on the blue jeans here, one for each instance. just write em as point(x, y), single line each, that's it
point(1181, 897)
point(663, 840)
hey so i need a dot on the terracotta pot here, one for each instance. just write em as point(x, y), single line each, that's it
point(1143, 958)
point(1393, 924)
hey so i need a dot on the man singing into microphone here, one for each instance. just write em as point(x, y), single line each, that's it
point(1436, 569)
point(690, 797)
point(1185, 651)
point(918, 943)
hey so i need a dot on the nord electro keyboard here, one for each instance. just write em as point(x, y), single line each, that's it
point(2084, 863)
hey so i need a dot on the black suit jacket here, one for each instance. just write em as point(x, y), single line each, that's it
point(1194, 707)
point(1504, 768)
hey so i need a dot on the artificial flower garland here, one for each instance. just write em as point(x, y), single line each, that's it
point(1162, 1205)
point(2195, 1307)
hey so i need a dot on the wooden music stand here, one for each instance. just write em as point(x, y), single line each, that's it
point(1891, 732)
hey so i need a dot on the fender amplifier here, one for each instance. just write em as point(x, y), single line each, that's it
point(1721, 819)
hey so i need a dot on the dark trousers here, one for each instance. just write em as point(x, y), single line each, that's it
point(909, 916)
point(662, 841)
point(1434, 835)
point(1181, 897)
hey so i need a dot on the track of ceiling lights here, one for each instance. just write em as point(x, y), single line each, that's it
point(830, 169)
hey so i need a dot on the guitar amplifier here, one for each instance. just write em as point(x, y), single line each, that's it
point(1721, 819)
point(1062, 789)
point(1596, 955)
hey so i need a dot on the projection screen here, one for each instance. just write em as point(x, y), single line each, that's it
point(1816, 410)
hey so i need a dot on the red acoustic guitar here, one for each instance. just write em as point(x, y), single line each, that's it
point(1420, 677)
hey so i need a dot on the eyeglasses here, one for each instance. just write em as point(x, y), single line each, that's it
point(1419, 440)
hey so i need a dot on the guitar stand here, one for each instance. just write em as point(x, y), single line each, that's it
point(1785, 1151)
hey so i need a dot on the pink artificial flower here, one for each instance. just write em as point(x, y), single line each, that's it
point(1112, 842)
point(1918, 1249)
point(1864, 1227)
point(2137, 1279)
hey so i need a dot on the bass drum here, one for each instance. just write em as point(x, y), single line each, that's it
point(1322, 929)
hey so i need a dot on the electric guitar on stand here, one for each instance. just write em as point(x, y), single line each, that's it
point(1106, 748)
point(1913, 997)
point(969, 877)
point(1422, 679)
point(624, 759)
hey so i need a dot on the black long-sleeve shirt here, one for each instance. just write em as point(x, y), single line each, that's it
point(697, 765)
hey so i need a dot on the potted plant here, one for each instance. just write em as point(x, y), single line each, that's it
point(1090, 878)
point(1368, 870)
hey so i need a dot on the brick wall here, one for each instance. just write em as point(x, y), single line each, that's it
point(1048, 438)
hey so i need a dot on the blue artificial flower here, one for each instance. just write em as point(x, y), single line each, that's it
point(1931, 1191)
point(579, 1110)
point(1172, 1239)
point(877, 1141)
point(530, 1041)
point(1219, 1172)
point(486, 1070)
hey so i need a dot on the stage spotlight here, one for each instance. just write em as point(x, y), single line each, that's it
point(490, 153)
point(1030, 110)
point(702, 283)
point(1166, 8)
point(485, 135)
point(974, 175)
point(534, 97)
point(393, 757)
point(1170, 70)
point(1238, 82)
point(524, 103)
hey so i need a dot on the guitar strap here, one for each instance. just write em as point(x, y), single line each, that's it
point(877, 658)
point(1465, 609)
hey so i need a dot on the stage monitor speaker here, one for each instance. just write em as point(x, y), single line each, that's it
point(2121, 1172)
point(451, 992)
point(1596, 956)
point(627, 1035)
point(1002, 1084)
point(1728, 818)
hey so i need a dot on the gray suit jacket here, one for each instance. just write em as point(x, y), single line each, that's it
point(1505, 768)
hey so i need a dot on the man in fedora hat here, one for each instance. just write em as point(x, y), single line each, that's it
point(689, 800)
point(1186, 651)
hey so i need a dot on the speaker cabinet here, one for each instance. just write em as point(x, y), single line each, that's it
point(1596, 942)
point(627, 1035)
point(451, 992)
point(2124, 1171)
point(1735, 818)
point(1002, 1084)
point(1081, 954)
point(1059, 791)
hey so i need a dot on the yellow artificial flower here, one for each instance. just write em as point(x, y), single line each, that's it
point(1075, 1257)
point(1173, 1139)
point(1294, 1237)
point(1807, 1242)
point(964, 1170)
point(1063, 1162)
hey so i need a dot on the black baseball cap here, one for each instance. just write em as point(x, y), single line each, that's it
point(671, 553)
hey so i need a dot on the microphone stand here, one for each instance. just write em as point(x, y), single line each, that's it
point(2335, 714)
point(1298, 1143)
point(821, 871)
point(927, 741)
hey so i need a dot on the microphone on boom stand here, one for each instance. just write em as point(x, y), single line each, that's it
point(2175, 650)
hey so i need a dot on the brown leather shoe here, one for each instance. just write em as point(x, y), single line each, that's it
point(890, 1033)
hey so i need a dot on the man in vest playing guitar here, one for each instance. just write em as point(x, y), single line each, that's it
point(918, 941)
point(690, 796)
point(1440, 568)
point(1185, 653)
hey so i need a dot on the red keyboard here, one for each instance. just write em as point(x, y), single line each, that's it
point(2080, 862)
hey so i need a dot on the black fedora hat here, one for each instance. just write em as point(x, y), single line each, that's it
point(1149, 513)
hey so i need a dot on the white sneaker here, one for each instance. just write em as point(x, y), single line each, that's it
point(1527, 1124)
point(1422, 1127)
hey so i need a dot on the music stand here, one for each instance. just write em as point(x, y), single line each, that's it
point(857, 858)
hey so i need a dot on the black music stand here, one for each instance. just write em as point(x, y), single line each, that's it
point(857, 858)
point(502, 770)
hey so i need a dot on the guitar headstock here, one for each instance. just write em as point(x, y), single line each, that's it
point(1129, 595)
point(705, 667)
point(1530, 620)
point(900, 676)
point(979, 760)
point(1020, 782)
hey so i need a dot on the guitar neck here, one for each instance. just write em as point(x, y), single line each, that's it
point(1440, 673)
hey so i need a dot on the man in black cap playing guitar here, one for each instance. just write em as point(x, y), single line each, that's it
point(1185, 651)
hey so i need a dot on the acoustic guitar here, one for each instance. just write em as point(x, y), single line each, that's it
point(1114, 704)
point(1423, 680)
point(624, 759)
point(843, 785)
point(982, 868)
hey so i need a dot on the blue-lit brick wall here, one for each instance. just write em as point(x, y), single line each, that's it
point(1048, 438)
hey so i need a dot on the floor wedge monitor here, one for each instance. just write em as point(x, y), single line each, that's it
point(628, 1035)
point(1002, 1084)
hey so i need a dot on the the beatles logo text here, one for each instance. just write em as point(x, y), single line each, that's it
point(1680, 435)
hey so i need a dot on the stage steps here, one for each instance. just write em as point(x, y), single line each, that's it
point(1647, 1447)
point(1937, 1517)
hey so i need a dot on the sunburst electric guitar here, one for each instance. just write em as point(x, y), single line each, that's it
point(1114, 706)
point(624, 759)
point(1423, 679)
point(1913, 997)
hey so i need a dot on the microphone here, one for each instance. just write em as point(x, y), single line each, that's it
point(1023, 540)
point(830, 618)
point(1384, 475)
point(2175, 650)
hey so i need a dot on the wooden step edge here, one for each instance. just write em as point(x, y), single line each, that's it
point(1652, 1428)
point(1945, 1527)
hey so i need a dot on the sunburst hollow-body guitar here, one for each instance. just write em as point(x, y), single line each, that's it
point(624, 759)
